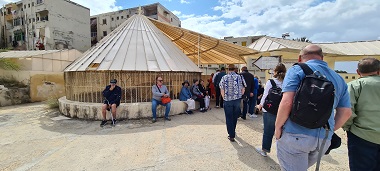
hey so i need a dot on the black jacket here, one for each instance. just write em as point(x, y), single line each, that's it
point(248, 78)
point(113, 96)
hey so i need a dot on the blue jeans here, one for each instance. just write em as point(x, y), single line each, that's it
point(362, 154)
point(269, 121)
point(232, 112)
point(155, 103)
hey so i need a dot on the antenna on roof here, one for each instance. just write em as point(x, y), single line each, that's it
point(284, 35)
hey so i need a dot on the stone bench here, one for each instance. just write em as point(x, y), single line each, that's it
point(93, 111)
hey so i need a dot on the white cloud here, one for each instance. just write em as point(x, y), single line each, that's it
point(185, 2)
point(99, 6)
point(96, 6)
point(340, 20)
point(177, 13)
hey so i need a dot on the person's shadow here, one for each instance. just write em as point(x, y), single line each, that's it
point(251, 158)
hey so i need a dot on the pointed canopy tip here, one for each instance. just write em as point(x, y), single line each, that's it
point(136, 45)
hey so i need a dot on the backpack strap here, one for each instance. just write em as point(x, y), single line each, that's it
point(273, 83)
point(306, 69)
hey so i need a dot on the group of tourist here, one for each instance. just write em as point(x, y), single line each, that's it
point(353, 106)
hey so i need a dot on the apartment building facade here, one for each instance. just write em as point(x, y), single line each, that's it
point(105, 23)
point(45, 25)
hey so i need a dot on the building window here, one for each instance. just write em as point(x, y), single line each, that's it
point(24, 6)
point(346, 77)
point(112, 18)
point(353, 77)
point(171, 19)
point(34, 20)
point(117, 18)
point(244, 43)
point(127, 16)
point(40, 1)
point(17, 22)
point(104, 33)
point(122, 17)
point(28, 5)
point(30, 20)
point(234, 42)
point(32, 3)
point(104, 21)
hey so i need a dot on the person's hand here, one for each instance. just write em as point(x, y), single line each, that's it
point(250, 94)
point(259, 107)
point(165, 95)
point(278, 133)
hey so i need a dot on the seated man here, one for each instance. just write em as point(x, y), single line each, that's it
point(159, 91)
point(112, 95)
point(185, 96)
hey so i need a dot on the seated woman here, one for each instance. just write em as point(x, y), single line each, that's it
point(198, 95)
point(159, 91)
point(205, 92)
point(185, 96)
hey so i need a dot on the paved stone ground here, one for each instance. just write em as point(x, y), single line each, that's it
point(34, 138)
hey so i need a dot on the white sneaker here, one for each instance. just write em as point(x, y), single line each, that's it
point(252, 116)
point(261, 152)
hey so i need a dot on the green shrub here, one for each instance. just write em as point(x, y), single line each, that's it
point(52, 102)
point(8, 64)
point(11, 83)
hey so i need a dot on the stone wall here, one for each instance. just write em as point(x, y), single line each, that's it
point(93, 111)
point(13, 96)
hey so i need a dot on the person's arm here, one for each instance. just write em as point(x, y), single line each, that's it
point(243, 84)
point(213, 77)
point(156, 92)
point(341, 117)
point(268, 86)
point(283, 112)
point(106, 92)
point(166, 91)
point(118, 94)
point(221, 86)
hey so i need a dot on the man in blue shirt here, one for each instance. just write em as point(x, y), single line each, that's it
point(297, 146)
point(231, 88)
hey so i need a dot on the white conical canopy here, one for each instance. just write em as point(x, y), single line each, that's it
point(136, 45)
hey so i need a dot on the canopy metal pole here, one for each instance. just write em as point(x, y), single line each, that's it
point(199, 39)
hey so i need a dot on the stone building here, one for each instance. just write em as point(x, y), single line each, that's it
point(104, 24)
point(45, 25)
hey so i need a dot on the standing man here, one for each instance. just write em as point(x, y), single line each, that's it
point(231, 88)
point(298, 146)
point(219, 76)
point(112, 95)
point(248, 100)
point(363, 128)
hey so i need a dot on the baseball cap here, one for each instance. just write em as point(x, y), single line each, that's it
point(113, 81)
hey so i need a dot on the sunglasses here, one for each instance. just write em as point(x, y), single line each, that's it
point(160, 80)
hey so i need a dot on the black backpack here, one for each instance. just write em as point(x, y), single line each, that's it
point(272, 101)
point(314, 100)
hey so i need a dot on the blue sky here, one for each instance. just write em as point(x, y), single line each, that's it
point(318, 20)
